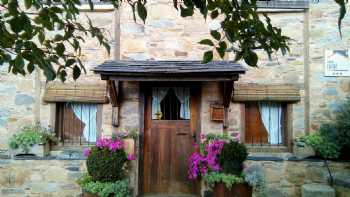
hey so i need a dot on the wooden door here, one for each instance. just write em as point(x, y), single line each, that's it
point(167, 146)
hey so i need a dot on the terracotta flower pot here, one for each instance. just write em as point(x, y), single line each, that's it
point(237, 190)
point(88, 194)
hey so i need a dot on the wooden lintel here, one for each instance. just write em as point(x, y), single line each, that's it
point(114, 92)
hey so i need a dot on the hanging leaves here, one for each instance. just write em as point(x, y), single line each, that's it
point(208, 56)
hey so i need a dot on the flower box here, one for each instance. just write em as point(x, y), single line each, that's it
point(239, 190)
point(39, 150)
point(301, 150)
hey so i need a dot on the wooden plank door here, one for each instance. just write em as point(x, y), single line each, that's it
point(167, 146)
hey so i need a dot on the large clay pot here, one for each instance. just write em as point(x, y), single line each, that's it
point(237, 190)
point(88, 194)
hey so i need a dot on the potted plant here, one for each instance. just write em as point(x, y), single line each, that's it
point(219, 161)
point(107, 167)
point(301, 149)
point(33, 140)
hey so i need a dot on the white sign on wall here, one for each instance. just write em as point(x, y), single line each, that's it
point(337, 63)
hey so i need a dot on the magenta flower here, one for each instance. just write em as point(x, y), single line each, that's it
point(86, 152)
point(131, 157)
point(199, 164)
point(115, 145)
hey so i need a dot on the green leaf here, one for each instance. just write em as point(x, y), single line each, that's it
point(207, 57)
point(19, 62)
point(41, 37)
point(27, 4)
point(30, 67)
point(251, 58)
point(206, 42)
point(186, 11)
point(107, 47)
point(76, 72)
point(16, 24)
point(342, 12)
point(69, 62)
point(214, 14)
point(141, 11)
point(215, 34)
point(222, 49)
point(60, 48)
point(63, 75)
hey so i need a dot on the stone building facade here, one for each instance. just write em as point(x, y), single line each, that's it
point(167, 36)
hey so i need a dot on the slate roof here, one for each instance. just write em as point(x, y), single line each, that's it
point(169, 70)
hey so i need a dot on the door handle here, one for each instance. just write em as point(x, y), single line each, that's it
point(181, 133)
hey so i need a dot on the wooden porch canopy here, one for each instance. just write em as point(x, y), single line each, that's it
point(169, 71)
point(222, 71)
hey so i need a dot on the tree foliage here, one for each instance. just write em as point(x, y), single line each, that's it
point(46, 34)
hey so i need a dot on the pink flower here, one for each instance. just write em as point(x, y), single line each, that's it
point(86, 152)
point(236, 137)
point(115, 145)
point(131, 157)
point(103, 142)
point(202, 136)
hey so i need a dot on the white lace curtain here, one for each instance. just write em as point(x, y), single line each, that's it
point(87, 114)
point(183, 94)
point(271, 115)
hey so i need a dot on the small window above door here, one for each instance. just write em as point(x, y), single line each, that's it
point(170, 103)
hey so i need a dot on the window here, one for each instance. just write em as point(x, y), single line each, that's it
point(265, 123)
point(170, 103)
point(77, 123)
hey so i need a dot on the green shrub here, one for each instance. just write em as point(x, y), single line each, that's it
point(229, 180)
point(118, 188)
point(323, 146)
point(342, 124)
point(106, 166)
point(232, 157)
point(29, 136)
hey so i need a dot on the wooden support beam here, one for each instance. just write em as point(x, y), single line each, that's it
point(227, 93)
point(227, 90)
point(114, 92)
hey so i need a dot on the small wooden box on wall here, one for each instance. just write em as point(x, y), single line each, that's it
point(217, 113)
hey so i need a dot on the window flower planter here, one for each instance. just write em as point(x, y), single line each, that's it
point(39, 150)
point(239, 190)
point(301, 150)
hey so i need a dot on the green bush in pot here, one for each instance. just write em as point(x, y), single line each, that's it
point(219, 161)
point(107, 167)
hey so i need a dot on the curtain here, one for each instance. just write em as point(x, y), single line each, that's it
point(158, 94)
point(87, 114)
point(271, 115)
point(183, 94)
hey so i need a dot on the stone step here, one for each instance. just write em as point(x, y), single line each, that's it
point(319, 190)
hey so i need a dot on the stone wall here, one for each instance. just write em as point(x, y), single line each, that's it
point(326, 92)
point(285, 178)
point(58, 177)
point(40, 177)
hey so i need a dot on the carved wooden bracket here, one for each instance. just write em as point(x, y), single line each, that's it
point(227, 91)
point(114, 94)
